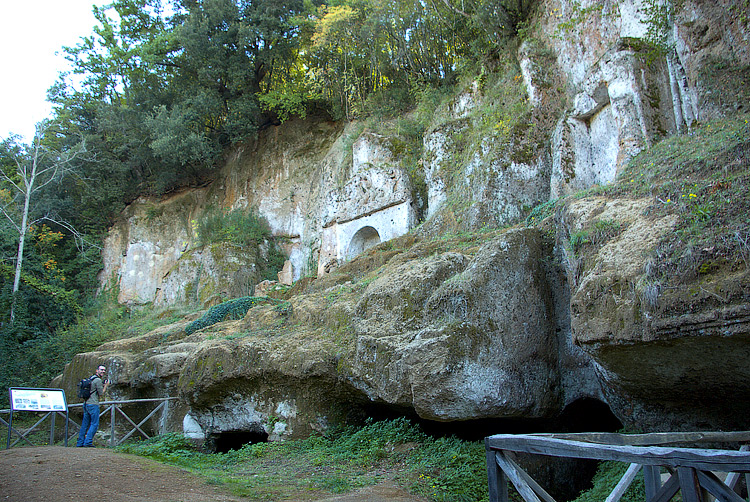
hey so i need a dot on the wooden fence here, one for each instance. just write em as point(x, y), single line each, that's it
point(110, 409)
point(695, 472)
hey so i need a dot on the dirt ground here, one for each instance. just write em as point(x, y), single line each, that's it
point(54, 473)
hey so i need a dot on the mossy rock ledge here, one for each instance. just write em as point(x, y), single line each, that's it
point(512, 328)
point(447, 335)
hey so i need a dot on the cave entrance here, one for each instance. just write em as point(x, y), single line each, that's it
point(582, 415)
point(234, 440)
point(365, 238)
point(588, 415)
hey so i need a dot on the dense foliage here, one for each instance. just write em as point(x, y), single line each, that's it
point(168, 85)
point(236, 226)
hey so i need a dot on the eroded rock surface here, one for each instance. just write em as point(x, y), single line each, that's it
point(520, 326)
point(449, 335)
point(669, 358)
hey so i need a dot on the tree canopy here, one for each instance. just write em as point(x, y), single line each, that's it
point(168, 85)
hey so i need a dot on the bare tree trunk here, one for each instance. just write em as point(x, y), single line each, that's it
point(29, 189)
point(19, 261)
point(31, 175)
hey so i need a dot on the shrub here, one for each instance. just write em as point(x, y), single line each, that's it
point(236, 226)
point(226, 311)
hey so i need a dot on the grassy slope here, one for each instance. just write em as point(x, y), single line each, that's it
point(340, 461)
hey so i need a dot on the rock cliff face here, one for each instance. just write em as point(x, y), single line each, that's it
point(676, 365)
point(511, 325)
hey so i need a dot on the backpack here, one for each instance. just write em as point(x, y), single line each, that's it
point(84, 387)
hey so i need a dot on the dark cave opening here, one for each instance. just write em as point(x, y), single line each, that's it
point(224, 442)
point(572, 476)
point(582, 415)
point(588, 415)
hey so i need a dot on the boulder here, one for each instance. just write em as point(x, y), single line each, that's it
point(451, 336)
point(668, 359)
point(460, 339)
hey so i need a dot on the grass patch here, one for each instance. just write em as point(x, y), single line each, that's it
point(441, 469)
point(599, 233)
point(607, 476)
point(704, 178)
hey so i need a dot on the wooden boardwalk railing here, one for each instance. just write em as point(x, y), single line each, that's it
point(692, 471)
point(113, 409)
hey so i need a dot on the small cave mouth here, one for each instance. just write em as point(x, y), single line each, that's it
point(589, 415)
point(224, 442)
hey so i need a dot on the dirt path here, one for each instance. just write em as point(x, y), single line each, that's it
point(53, 473)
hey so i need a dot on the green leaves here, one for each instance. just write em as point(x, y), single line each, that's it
point(173, 138)
point(225, 311)
point(169, 84)
point(239, 227)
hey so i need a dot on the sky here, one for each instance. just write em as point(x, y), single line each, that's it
point(31, 33)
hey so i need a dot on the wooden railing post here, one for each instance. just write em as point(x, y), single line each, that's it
point(651, 480)
point(498, 481)
point(163, 419)
point(112, 442)
point(689, 486)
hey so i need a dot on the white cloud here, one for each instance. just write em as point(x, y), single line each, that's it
point(32, 34)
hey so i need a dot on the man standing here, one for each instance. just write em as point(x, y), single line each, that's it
point(91, 408)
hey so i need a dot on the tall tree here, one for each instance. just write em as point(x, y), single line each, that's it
point(167, 88)
point(223, 52)
point(25, 171)
point(122, 77)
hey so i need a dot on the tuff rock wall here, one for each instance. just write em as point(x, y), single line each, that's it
point(514, 327)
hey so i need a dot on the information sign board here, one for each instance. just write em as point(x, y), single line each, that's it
point(38, 400)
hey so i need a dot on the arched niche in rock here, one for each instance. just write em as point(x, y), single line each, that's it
point(364, 238)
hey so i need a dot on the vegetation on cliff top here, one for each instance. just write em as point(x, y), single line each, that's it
point(701, 177)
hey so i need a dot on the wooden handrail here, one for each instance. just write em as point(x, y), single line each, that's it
point(690, 468)
point(109, 406)
point(129, 401)
point(653, 438)
point(704, 459)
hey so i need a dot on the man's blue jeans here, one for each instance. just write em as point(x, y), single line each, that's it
point(89, 425)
